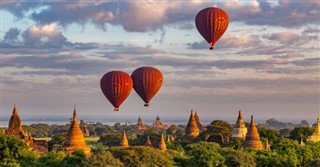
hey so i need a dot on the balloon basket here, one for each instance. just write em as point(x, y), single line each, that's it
point(211, 48)
point(116, 110)
point(146, 104)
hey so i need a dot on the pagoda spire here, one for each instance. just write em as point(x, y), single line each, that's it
point(75, 138)
point(124, 141)
point(162, 144)
point(15, 124)
point(315, 137)
point(252, 139)
point(196, 116)
point(192, 130)
point(148, 142)
point(239, 130)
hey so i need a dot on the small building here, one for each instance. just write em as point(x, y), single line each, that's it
point(140, 125)
point(159, 124)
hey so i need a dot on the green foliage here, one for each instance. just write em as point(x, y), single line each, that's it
point(299, 133)
point(142, 156)
point(13, 151)
point(175, 146)
point(57, 141)
point(218, 131)
point(313, 163)
point(53, 159)
point(205, 154)
point(111, 139)
point(240, 159)
point(102, 157)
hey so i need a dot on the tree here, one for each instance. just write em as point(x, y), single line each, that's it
point(172, 129)
point(205, 154)
point(52, 159)
point(57, 142)
point(240, 159)
point(301, 133)
point(142, 156)
point(218, 131)
point(14, 150)
point(112, 139)
point(102, 157)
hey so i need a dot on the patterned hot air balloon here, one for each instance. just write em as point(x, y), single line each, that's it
point(116, 86)
point(146, 82)
point(212, 23)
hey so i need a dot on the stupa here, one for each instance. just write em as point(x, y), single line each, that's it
point(124, 141)
point(148, 142)
point(200, 126)
point(159, 124)
point(15, 129)
point(162, 144)
point(239, 130)
point(192, 130)
point(75, 138)
point(252, 139)
point(140, 125)
point(315, 137)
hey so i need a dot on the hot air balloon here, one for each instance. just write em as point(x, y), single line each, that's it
point(146, 82)
point(116, 86)
point(212, 23)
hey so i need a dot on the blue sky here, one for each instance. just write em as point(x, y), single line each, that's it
point(267, 63)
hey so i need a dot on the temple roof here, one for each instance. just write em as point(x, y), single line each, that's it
point(15, 122)
point(162, 144)
point(148, 142)
point(240, 123)
point(124, 140)
point(192, 129)
point(252, 139)
point(197, 120)
point(75, 138)
point(140, 122)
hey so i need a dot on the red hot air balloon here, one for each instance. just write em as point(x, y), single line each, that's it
point(116, 86)
point(146, 82)
point(212, 23)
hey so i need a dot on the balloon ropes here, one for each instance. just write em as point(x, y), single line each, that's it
point(116, 86)
point(211, 23)
point(146, 82)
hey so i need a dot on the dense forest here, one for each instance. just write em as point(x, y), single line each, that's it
point(211, 148)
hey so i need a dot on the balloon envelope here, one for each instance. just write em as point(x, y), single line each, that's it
point(212, 23)
point(146, 82)
point(116, 86)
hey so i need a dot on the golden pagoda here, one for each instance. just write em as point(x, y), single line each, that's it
point(140, 125)
point(200, 127)
point(124, 141)
point(75, 138)
point(316, 134)
point(239, 130)
point(192, 130)
point(148, 142)
point(252, 139)
point(159, 124)
point(15, 125)
point(162, 144)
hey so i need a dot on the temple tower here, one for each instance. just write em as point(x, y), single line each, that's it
point(162, 144)
point(140, 125)
point(316, 134)
point(124, 140)
point(159, 124)
point(75, 138)
point(239, 130)
point(148, 142)
point(192, 130)
point(196, 116)
point(252, 139)
point(15, 125)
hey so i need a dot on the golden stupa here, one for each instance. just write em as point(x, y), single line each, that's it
point(196, 116)
point(15, 125)
point(192, 130)
point(315, 137)
point(239, 130)
point(162, 144)
point(148, 142)
point(75, 138)
point(124, 141)
point(252, 139)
